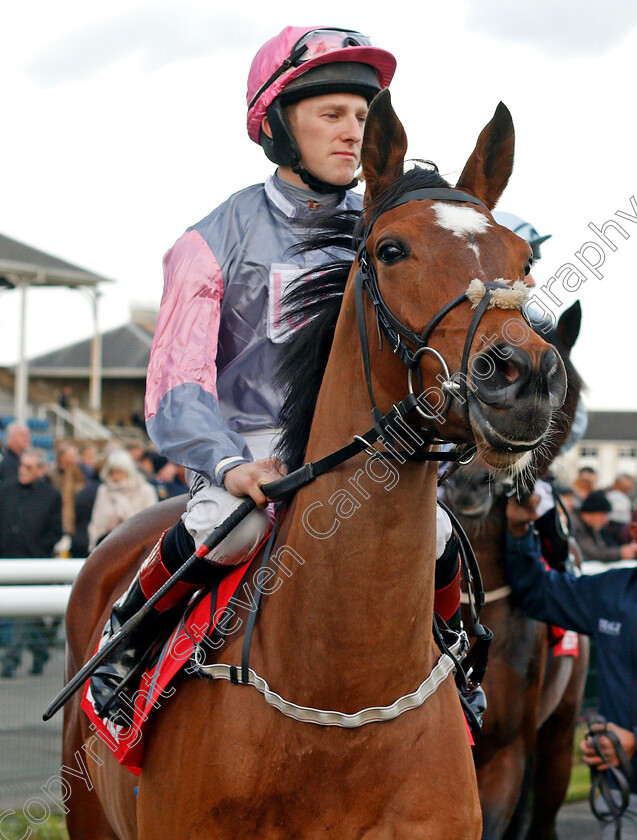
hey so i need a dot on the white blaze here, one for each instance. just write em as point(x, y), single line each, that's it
point(463, 222)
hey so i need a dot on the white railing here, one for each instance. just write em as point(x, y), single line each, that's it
point(596, 567)
point(76, 423)
point(36, 587)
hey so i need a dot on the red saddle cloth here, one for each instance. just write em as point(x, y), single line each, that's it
point(562, 642)
point(127, 742)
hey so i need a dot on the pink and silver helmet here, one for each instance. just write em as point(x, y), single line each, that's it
point(301, 62)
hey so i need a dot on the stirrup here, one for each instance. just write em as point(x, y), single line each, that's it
point(114, 681)
point(119, 706)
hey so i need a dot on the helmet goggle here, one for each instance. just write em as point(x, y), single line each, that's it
point(313, 43)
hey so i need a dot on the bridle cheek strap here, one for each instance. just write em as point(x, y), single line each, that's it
point(394, 332)
point(397, 334)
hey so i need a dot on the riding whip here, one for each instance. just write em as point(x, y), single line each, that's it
point(213, 540)
point(273, 490)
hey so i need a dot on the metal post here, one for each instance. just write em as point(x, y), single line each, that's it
point(95, 384)
point(22, 370)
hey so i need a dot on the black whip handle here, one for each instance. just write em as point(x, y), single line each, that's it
point(213, 539)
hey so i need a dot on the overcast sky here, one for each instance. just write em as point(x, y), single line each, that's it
point(124, 123)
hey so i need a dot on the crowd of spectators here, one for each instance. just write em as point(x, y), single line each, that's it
point(67, 507)
point(64, 509)
point(603, 521)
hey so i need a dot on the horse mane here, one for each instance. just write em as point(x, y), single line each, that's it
point(313, 305)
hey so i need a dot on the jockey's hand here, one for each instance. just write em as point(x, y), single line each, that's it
point(626, 739)
point(520, 516)
point(247, 479)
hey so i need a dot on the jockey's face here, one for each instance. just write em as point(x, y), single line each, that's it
point(329, 132)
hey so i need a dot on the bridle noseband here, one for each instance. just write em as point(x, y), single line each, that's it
point(397, 334)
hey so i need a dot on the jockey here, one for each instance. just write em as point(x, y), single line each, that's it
point(211, 405)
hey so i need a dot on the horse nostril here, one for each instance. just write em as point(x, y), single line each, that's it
point(550, 366)
point(553, 375)
point(510, 372)
point(501, 372)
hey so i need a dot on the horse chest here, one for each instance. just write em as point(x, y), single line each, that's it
point(259, 774)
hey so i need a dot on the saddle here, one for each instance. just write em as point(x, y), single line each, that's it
point(207, 617)
point(206, 623)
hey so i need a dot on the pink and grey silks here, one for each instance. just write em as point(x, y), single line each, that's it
point(214, 355)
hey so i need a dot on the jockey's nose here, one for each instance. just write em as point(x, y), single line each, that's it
point(505, 372)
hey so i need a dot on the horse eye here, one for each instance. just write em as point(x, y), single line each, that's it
point(527, 267)
point(390, 252)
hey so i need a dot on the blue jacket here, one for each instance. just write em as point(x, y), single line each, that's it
point(602, 606)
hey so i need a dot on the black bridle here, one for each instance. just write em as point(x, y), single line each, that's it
point(397, 334)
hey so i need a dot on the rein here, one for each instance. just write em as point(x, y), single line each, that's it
point(394, 331)
point(396, 334)
point(614, 780)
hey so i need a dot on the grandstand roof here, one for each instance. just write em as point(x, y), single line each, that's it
point(20, 263)
point(125, 355)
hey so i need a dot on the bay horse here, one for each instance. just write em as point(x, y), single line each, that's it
point(524, 754)
point(350, 625)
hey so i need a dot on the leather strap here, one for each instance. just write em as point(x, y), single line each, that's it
point(439, 194)
point(282, 487)
point(605, 783)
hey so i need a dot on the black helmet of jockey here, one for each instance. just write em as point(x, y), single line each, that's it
point(301, 62)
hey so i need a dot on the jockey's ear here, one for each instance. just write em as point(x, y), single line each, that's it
point(384, 147)
point(265, 125)
point(489, 168)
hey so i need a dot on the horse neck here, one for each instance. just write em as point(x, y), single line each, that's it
point(365, 593)
point(488, 538)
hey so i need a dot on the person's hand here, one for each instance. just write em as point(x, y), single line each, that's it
point(629, 551)
point(246, 479)
point(589, 755)
point(520, 516)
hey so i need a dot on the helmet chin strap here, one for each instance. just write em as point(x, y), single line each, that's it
point(281, 147)
point(317, 184)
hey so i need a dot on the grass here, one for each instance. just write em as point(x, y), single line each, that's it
point(15, 828)
point(580, 782)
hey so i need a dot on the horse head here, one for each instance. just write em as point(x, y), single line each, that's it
point(447, 289)
point(472, 491)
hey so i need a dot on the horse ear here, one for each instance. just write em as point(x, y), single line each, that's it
point(569, 324)
point(489, 168)
point(384, 147)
